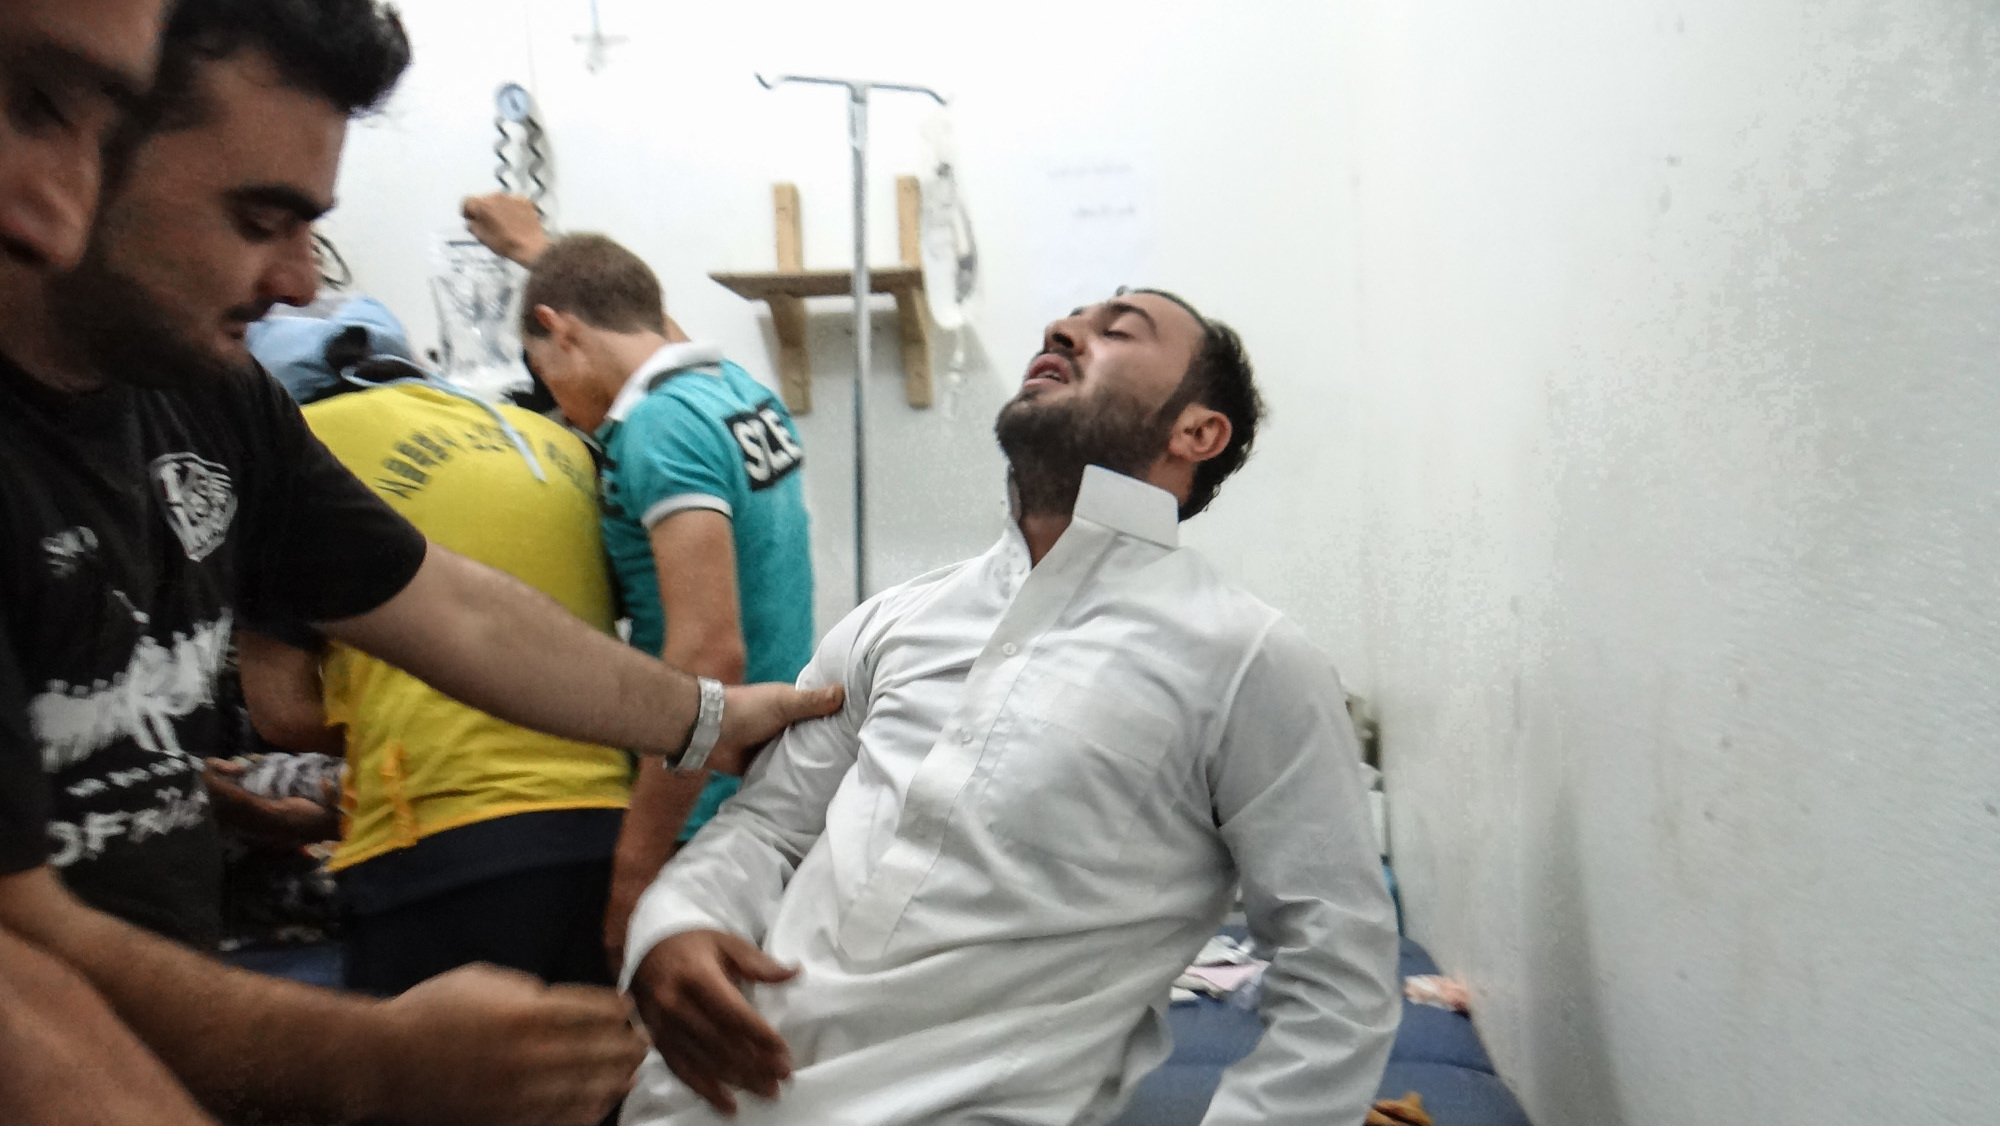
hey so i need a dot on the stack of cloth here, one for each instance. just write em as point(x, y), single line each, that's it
point(1226, 968)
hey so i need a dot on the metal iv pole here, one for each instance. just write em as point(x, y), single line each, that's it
point(857, 139)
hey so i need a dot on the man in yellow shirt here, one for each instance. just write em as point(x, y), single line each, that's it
point(465, 838)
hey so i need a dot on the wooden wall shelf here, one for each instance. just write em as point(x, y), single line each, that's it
point(819, 283)
point(786, 288)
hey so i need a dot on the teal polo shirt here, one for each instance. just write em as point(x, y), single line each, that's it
point(691, 430)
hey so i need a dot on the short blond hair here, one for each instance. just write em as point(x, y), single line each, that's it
point(595, 279)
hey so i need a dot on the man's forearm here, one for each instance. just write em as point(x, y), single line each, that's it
point(475, 1045)
point(218, 1029)
point(505, 648)
point(662, 800)
point(661, 803)
point(733, 875)
point(282, 691)
point(61, 1043)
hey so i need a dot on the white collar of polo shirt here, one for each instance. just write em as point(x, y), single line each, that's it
point(668, 360)
point(1129, 505)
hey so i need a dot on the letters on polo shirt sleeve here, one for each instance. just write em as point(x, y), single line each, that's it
point(770, 453)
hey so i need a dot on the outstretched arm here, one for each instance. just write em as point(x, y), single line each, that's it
point(497, 644)
point(694, 555)
point(69, 1061)
point(697, 931)
point(476, 1045)
point(1292, 809)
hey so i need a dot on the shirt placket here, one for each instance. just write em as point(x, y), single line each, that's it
point(952, 760)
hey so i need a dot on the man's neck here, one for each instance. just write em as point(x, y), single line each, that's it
point(1042, 530)
point(630, 352)
point(616, 360)
point(29, 338)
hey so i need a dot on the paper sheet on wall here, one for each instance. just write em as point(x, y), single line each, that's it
point(1096, 225)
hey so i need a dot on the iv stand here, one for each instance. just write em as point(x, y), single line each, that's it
point(857, 141)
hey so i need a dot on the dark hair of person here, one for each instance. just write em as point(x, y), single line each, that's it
point(348, 347)
point(595, 279)
point(536, 396)
point(350, 52)
point(348, 353)
point(1219, 378)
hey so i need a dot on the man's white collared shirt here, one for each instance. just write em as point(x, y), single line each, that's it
point(1035, 807)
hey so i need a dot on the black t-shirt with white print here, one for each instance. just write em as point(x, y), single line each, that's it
point(138, 527)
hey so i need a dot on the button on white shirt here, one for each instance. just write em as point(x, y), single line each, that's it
point(990, 869)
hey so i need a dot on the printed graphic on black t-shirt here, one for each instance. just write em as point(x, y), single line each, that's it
point(138, 529)
point(197, 501)
point(769, 453)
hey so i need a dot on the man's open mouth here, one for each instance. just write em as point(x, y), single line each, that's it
point(1052, 367)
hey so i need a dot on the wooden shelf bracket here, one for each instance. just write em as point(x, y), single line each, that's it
point(786, 289)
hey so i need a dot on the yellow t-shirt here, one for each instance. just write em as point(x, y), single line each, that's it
point(419, 762)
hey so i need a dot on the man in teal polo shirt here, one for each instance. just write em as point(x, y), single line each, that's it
point(704, 508)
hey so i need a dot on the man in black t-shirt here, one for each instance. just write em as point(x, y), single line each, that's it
point(140, 525)
point(65, 68)
point(155, 490)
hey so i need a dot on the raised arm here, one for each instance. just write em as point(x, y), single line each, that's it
point(508, 224)
point(497, 644)
point(1293, 811)
point(697, 931)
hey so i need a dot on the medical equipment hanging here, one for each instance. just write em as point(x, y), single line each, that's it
point(858, 92)
point(946, 249)
point(473, 292)
point(523, 161)
point(597, 45)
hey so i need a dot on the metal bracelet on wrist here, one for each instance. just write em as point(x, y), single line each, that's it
point(707, 729)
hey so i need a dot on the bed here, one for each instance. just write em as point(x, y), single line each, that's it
point(1437, 1054)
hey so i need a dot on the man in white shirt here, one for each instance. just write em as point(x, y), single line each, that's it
point(963, 898)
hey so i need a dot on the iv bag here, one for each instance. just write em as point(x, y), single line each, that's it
point(475, 292)
point(951, 261)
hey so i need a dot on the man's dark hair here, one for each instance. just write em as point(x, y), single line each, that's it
point(350, 52)
point(597, 280)
point(1220, 379)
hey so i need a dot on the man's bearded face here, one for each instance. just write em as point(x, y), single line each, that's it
point(1104, 390)
point(1050, 441)
point(129, 336)
point(209, 228)
point(71, 68)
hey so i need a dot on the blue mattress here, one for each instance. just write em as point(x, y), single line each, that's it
point(1437, 1054)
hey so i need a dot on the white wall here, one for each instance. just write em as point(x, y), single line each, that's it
point(1675, 340)
point(672, 148)
point(1629, 366)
